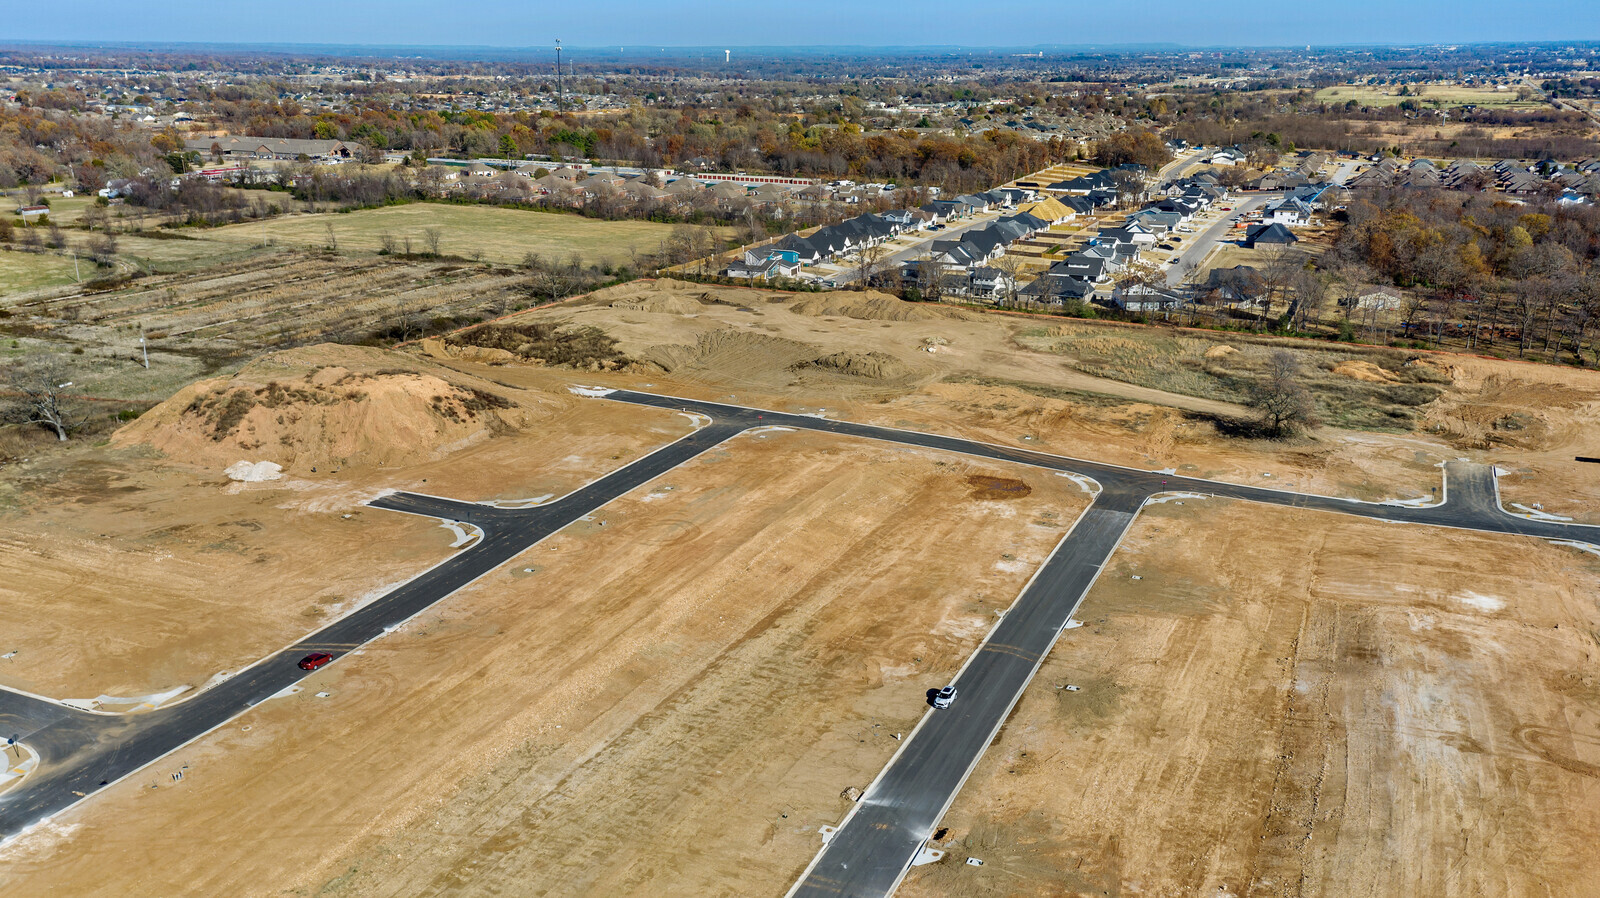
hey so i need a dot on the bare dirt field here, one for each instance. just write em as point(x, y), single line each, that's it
point(140, 567)
point(1272, 702)
point(669, 698)
point(666, 700)
point(1004, 379)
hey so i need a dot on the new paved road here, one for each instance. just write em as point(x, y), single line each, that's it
point(81, 752)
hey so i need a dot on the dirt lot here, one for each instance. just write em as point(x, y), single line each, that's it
point(666, 700)
point(1292, 704)
point(139, 567)
point(1428, 95)
point(990, 377)
point(1533, 421)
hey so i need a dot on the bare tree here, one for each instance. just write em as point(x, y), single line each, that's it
point(1282, 400)
point(40, 387)
point(869, 261)
point(386, 243)
point(103, 249)
point(1310, 293)
point(333, 240)
point(1011, 266)
point(431, 237)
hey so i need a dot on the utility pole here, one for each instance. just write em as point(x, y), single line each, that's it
point(561, 94)
point(143, 346)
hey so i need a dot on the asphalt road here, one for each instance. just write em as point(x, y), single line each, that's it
point(924, 243)
point(1200, 245)
point(81, 752)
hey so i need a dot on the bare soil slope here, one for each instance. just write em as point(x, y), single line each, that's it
point(327, 406)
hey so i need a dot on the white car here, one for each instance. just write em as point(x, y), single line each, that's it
point(945, 697)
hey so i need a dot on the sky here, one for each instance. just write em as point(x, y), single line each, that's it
point(865, 23)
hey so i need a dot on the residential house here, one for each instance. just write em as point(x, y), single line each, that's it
point(1057, 288)
point(1131, 232)
point(1289, 211)
point(1268, 235)
point(766, 263)
point(806, 252)
point(1051, 210)
point(1148, 298)
point(989, 282)
point(1227, 156)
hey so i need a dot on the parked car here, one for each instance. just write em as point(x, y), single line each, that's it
point(945, 697)
point(315, 660)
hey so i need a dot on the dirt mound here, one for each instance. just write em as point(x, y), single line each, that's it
point(728, 349)
point(541, 342)
point(986, 486)
point(666, 295)
point(673, 303)
point(1513, 412)
point(872, 364)
point(1359, 370)
point(871, 306)
point(1220, 351)
point(327, 406)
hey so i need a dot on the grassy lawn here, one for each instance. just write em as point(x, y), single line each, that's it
point(500, 235)
point(167, 256)
point(1446, 95)
point(21, 272)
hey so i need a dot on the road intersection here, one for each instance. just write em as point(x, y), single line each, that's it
point(81, 752)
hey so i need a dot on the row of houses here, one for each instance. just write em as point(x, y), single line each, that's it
point(1576, 183)
point(1087, 275)
point(786, 257)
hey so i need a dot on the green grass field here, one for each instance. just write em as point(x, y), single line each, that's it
point(498, 235)
point(1442, 94)
point(172, 255)
point(21, 272)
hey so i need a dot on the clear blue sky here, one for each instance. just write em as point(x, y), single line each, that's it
point(716, 23)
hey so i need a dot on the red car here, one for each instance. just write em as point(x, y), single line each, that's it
point(315, 660)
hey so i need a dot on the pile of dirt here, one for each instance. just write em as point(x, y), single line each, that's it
point(327, 405)
point(1359, 370)
point(871, 306)
point(1511, 412)
point(987, 486)
point(872, 364)
point(541, 342)
point(674, 303)
point(751, 355)
point(669, 296)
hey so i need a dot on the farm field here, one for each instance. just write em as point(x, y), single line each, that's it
point(1429, 94)
point(496, 235)
point(21, 272)
point(1276, 702)
point(217, 311)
